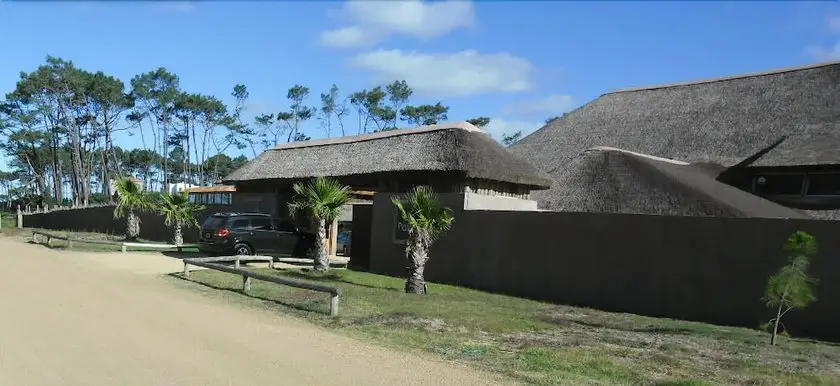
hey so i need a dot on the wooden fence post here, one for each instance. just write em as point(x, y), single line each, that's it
point(123, 248)
point(246, 283)
point(333, 304)
point(236, 262)
point(19, 218)
point(34, 237)
point(186, 268)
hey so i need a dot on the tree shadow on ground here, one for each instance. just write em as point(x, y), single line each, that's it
point(561, 320)
point(329, 277)
point(250, 295)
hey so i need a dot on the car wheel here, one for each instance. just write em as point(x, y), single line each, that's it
point(243, 249)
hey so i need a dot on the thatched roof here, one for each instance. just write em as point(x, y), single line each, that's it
point(802, 150)
point(459, 147)
point(617, 181)
point(722, 121)
point(715, 122)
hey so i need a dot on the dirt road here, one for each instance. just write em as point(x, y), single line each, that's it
point(70, 318)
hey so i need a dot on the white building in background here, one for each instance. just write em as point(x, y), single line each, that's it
point(179, 187)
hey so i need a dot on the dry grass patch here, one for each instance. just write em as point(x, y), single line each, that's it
point(541, 343)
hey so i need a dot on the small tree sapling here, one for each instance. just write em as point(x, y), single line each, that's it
point(791, 287)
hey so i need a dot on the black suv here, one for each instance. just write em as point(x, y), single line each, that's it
point(253, 233)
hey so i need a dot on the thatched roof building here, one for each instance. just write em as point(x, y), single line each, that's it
point(786, 118)
point(611, 180)
point(459, 150)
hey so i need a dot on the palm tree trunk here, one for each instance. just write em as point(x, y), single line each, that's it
point(132, 229)
point(417, 254)
point(322, 259)
point(179, 237)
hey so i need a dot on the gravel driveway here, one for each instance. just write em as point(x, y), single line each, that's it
point(69, 318)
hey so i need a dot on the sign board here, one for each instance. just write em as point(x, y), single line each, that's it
point(400, 229)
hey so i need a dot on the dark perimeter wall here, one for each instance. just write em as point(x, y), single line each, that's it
point(101, 219)
point(694, 268)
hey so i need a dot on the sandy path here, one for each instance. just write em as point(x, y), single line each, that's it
point(105, 319)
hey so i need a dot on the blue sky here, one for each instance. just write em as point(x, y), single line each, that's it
point(516, 62)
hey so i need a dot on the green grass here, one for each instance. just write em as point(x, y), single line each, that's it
point(539, 343)
point(8, 220)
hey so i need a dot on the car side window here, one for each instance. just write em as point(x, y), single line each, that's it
point(284, 225)
point(261, 224)
point(239, 225)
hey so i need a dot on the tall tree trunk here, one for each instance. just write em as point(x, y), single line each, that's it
point(179, 237)
point(42, 184)
point(105, 175)
point(417, 253)
point(322, 259)
point(132, 226)
point(165, 154)
point(57, 175)
point(76, 165)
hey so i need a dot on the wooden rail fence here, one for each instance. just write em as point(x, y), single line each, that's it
point(123, 245)
point(210, 263)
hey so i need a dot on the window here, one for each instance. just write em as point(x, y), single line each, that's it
point(227, 199)
point(213, 222)
point(779, 184)
point(239, 225)
point(824, 184)
point(284, 225)
point(193, 198)
point(261, 223)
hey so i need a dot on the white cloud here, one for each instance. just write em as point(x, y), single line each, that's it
point(450, 74)
point(371, 22)
point(821, 53)
point(554, 104)
point(499, 127)
point(824, 54)
point(344, 37)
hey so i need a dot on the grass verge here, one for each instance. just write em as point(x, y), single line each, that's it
point(25, 234)
point(536, 342)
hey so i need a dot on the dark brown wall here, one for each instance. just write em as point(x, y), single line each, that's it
point(705, 269)
point(387, 256)
point(101, 219)
point(360, 237)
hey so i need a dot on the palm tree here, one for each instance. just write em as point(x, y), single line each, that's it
point(427, 219)
point(131, 200)
point(324, 198)
point(178, 213)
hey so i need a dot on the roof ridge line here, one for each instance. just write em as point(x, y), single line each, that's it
point(460, 125)
point(727, 78)
point(648, 156)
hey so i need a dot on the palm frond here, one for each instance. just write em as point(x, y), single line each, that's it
point(131, 198)
point(324, 197)
point(177, 208)
point(423, 212)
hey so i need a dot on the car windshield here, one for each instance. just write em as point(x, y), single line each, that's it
point(213, 222)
